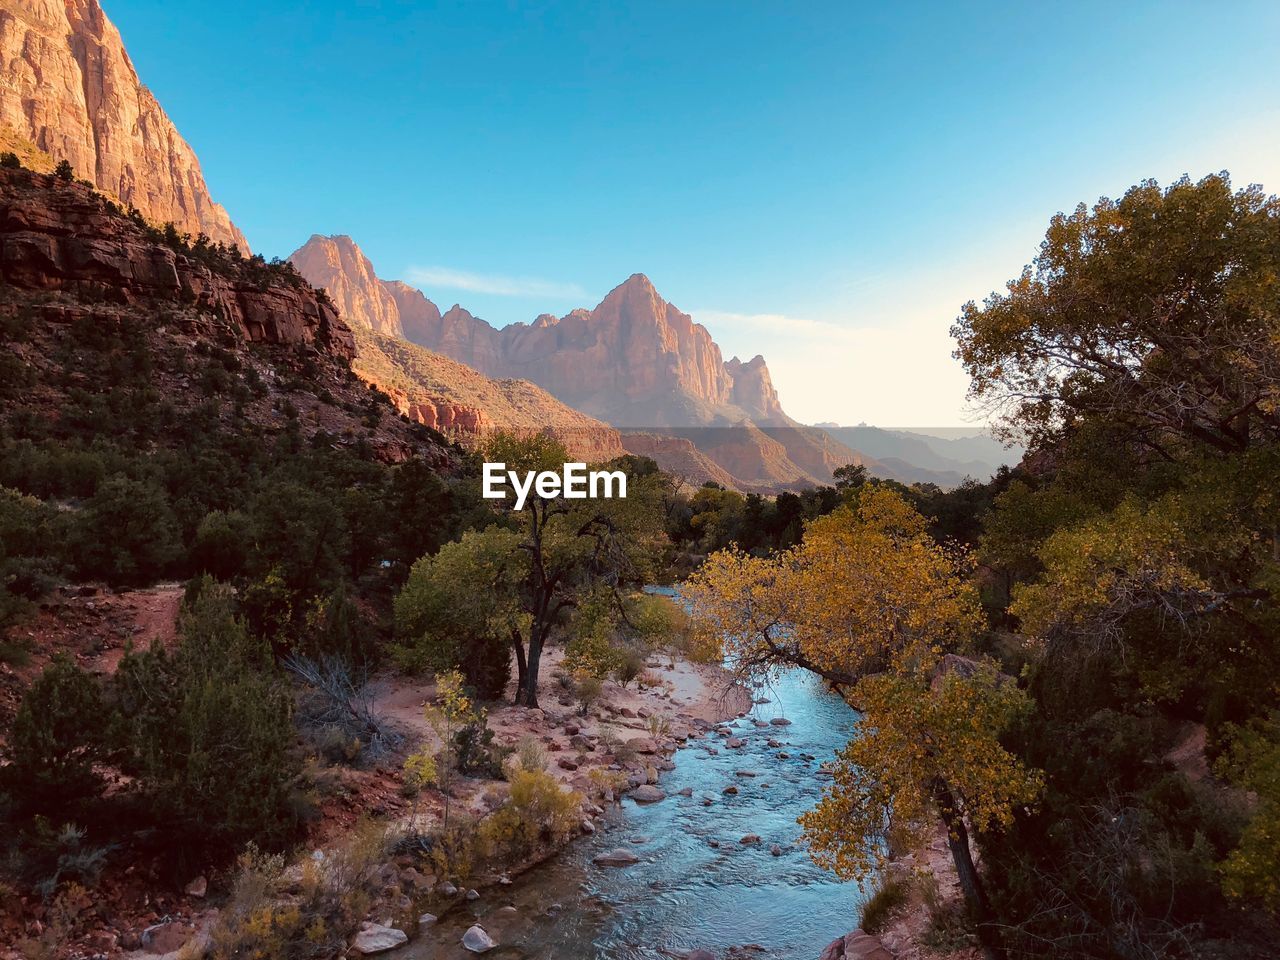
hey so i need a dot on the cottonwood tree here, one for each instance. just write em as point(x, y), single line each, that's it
point(1159, 312)
point(869, 601)
point(520, 581)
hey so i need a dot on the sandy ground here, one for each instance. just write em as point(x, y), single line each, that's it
point(629, 729)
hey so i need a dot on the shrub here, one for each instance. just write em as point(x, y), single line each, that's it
point(889, 895)
point(221, 547)
point(539, 813)
point(586, 690)
point(126, 534)
point(64, 171)
point(528, 756)
point(209, 730)
point(52, 858)
point(474, 750)
point(56, 740)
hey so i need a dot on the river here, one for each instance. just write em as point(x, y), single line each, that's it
point(696, 885)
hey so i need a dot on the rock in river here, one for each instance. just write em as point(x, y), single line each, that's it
point(620, 857)
point(375, 938)
point(647, 793)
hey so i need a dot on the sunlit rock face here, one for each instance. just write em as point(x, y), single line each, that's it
point(67, 85)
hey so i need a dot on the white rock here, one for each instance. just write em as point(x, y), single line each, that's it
point(477, 941)
point(375, 938)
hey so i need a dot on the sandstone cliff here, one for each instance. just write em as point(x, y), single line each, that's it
point(58, 236)
point(68, 86)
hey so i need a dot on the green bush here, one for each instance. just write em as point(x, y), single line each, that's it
point(209, 730)
point(56, 740)
point(126, 534)
point(222, 544)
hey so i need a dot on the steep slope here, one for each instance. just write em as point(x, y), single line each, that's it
point(65, 238)
point(246, 349)
point(69, 88)
point(464, 404)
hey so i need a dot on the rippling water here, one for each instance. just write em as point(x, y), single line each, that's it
point(685, 892)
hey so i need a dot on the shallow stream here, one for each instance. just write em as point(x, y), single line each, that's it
point(686, 891)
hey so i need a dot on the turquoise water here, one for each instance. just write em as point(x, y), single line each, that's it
point(686, 892)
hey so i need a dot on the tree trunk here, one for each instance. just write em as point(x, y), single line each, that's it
point(970, 883)
point(522, 667)
point(531, 673)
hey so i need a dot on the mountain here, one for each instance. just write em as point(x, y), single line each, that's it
point(337, 265)
point(978, 456)
point(634, 361)
point(108, 325)
point(69, 90)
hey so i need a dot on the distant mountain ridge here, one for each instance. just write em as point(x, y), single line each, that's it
point(955, 458)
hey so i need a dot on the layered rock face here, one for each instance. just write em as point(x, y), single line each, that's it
point(467, 406)
point(337, 265)
point(68, 86)
point(65, 237)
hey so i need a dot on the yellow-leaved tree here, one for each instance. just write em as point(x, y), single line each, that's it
point(872, 603)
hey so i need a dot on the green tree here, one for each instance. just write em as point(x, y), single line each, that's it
point(1158, 312)
point(461, 609)
point(126, 533)
point(573, 547)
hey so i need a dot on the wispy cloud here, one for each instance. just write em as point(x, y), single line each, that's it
point(775, 323)
point(447, 278)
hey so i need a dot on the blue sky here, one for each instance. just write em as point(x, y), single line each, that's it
point(822, 183)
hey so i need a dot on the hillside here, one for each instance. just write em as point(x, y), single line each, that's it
point(461, 403)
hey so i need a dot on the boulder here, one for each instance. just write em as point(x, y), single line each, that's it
point(477, 941)
point(647, 793)
point(618, 857)
point(376, 938)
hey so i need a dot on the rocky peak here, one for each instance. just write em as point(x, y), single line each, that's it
point(337, 265)
point(419, 317)
point(69, 88)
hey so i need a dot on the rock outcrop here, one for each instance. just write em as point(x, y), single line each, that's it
point(856, 946)
point(69, 88)
point(337, 265)
point(60, 236)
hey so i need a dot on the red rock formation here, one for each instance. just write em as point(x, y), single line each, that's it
point(68, 86)
point(635, 361)
point(419, 317)
point(337, 265)
point(467, 406)
point(753, 390)
point(64, 236)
